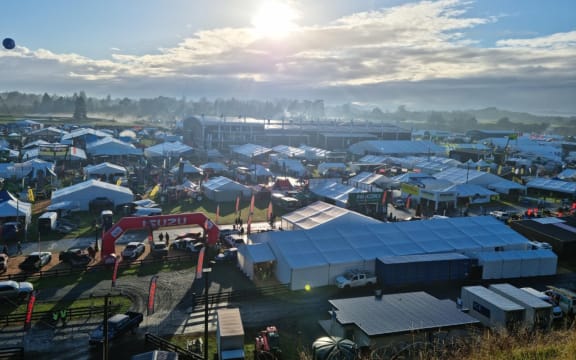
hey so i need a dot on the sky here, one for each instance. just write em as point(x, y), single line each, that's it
point(426, 55)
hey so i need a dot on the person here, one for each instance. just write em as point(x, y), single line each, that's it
point(167, 237)
point(161, 237)
point(19, 248)
point(63, 314)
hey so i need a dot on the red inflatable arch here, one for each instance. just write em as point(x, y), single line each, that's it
point(154, 222)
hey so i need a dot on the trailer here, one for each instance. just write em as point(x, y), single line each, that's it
point(492, 309)
point(422, 269)
point(230, 334)
point(47, 222)
point(537, 314)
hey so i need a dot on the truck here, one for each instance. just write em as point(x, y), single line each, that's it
point(537, 314)
point(118, 325)
point(355, 278)
point(267, 344)
point(564, 298)
point(556, 310)
point(230, 334)
point(492, 309)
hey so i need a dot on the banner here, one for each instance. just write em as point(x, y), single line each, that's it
point(152, 294)
point(115, 273)
point(384, 196)
point(31, 195)
point(154, 191)
point(408, 200)
point(200, 265)
point(217, 214)
point(252, 204)
point(29, 309)
point(249, 225)
point(270, 211)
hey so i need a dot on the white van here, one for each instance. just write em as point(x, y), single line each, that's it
point(47, 222)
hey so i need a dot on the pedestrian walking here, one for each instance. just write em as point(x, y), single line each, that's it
point(167, 238)
point(19, 248)
point(161, 237)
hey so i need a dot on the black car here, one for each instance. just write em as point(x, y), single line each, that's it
point(36, 260)
point(75, 257)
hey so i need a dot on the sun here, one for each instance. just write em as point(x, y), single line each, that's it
point(274, 19)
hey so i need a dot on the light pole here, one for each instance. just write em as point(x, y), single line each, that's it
point(205, 273)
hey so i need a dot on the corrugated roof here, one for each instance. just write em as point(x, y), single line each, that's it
point(399, 313)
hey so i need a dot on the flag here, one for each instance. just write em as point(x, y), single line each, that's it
point(115, 273)
point(29, 309)
point(499, 169)
point(30, 195)
point(217, 213)
point(119, 182)
point(237, 203)
point(249, 225)
point(269, 214)
point(252, 204)
point(384, 195)
point(200, 265)
point(152, 294)
point(154, 191)
point(408, 200)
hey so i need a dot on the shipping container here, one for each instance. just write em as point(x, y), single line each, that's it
point(230, 334)
point(425, 268)
point(492, 309)
point(537, 314)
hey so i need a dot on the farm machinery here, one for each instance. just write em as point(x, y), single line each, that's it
point(267, 345)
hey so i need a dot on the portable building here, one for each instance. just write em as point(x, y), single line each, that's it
point(490, 308)
point(537, 313)
point(412, 269)
point(47, 222)
point(230, 334)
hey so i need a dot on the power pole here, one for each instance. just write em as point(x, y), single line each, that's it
point(105, 329)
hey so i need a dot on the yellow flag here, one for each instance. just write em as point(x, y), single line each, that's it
point(499, 169)
point(154, 191)
point(30, 195)
point(119, 182)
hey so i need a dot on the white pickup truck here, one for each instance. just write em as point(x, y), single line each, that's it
point(355, 278)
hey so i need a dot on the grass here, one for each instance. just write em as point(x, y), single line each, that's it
point(123, 301)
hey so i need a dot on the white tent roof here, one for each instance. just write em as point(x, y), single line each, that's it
point(104, 168)
point(289, 151)
point(216, 166)
point(471, 234)
point(223, 183)
point(85, 191)
point(553, 185)
point(188, 168)
point(250, 150)
point(259, 253)
point(174, 149)
point(333, 190)
point(320, 213)
point(111, 146)
point(384, 147)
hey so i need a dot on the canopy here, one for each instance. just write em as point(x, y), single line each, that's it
point(168, 149)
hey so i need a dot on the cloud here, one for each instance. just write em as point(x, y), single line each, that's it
point(412, 53)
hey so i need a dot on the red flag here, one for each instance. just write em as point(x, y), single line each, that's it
point(152, 294)
point(269, 215)
point(252, 204)
point(217, 214)
point(29, 309)
point(384, 195)
point(115, 273)
point(408, 199)
point(200, 265)
point(249, 223)
point(237, 203)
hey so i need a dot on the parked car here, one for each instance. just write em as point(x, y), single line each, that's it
point(12, 231)
point(159, 249)
point(190, 235)
point(227, 256)
point(187, 244)
point(226, 232)
point(118, 325)
point(36, 260)
point(133, 250)
point(13, 289)
point(76, 257)
point(3, 262)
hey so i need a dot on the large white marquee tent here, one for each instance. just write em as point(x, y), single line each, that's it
point(83, 192)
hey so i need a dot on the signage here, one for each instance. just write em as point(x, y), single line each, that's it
point(364, 198)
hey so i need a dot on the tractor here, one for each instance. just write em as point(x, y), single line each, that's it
point(267, 346)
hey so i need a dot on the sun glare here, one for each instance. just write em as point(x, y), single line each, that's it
point(274, 19)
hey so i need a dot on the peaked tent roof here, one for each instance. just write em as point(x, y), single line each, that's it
point(111, 147)
point(321, 213)
point(174, 149)
point(104, 168)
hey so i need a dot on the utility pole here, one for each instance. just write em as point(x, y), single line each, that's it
point(206, 272)
point(105, 329)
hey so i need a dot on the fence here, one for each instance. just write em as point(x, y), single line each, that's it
point(162, 344)
point(241, 295)
point(12, 353)
point(22, 276)
point(71, 314)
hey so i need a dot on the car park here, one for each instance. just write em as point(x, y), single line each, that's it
point(13, 289)
point(133, 250)
point(36, 260)
point(159, 250)
point(75, 257)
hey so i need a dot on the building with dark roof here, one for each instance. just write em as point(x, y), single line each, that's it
point(375, 321)
point(213, 132)
point(560, 232)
